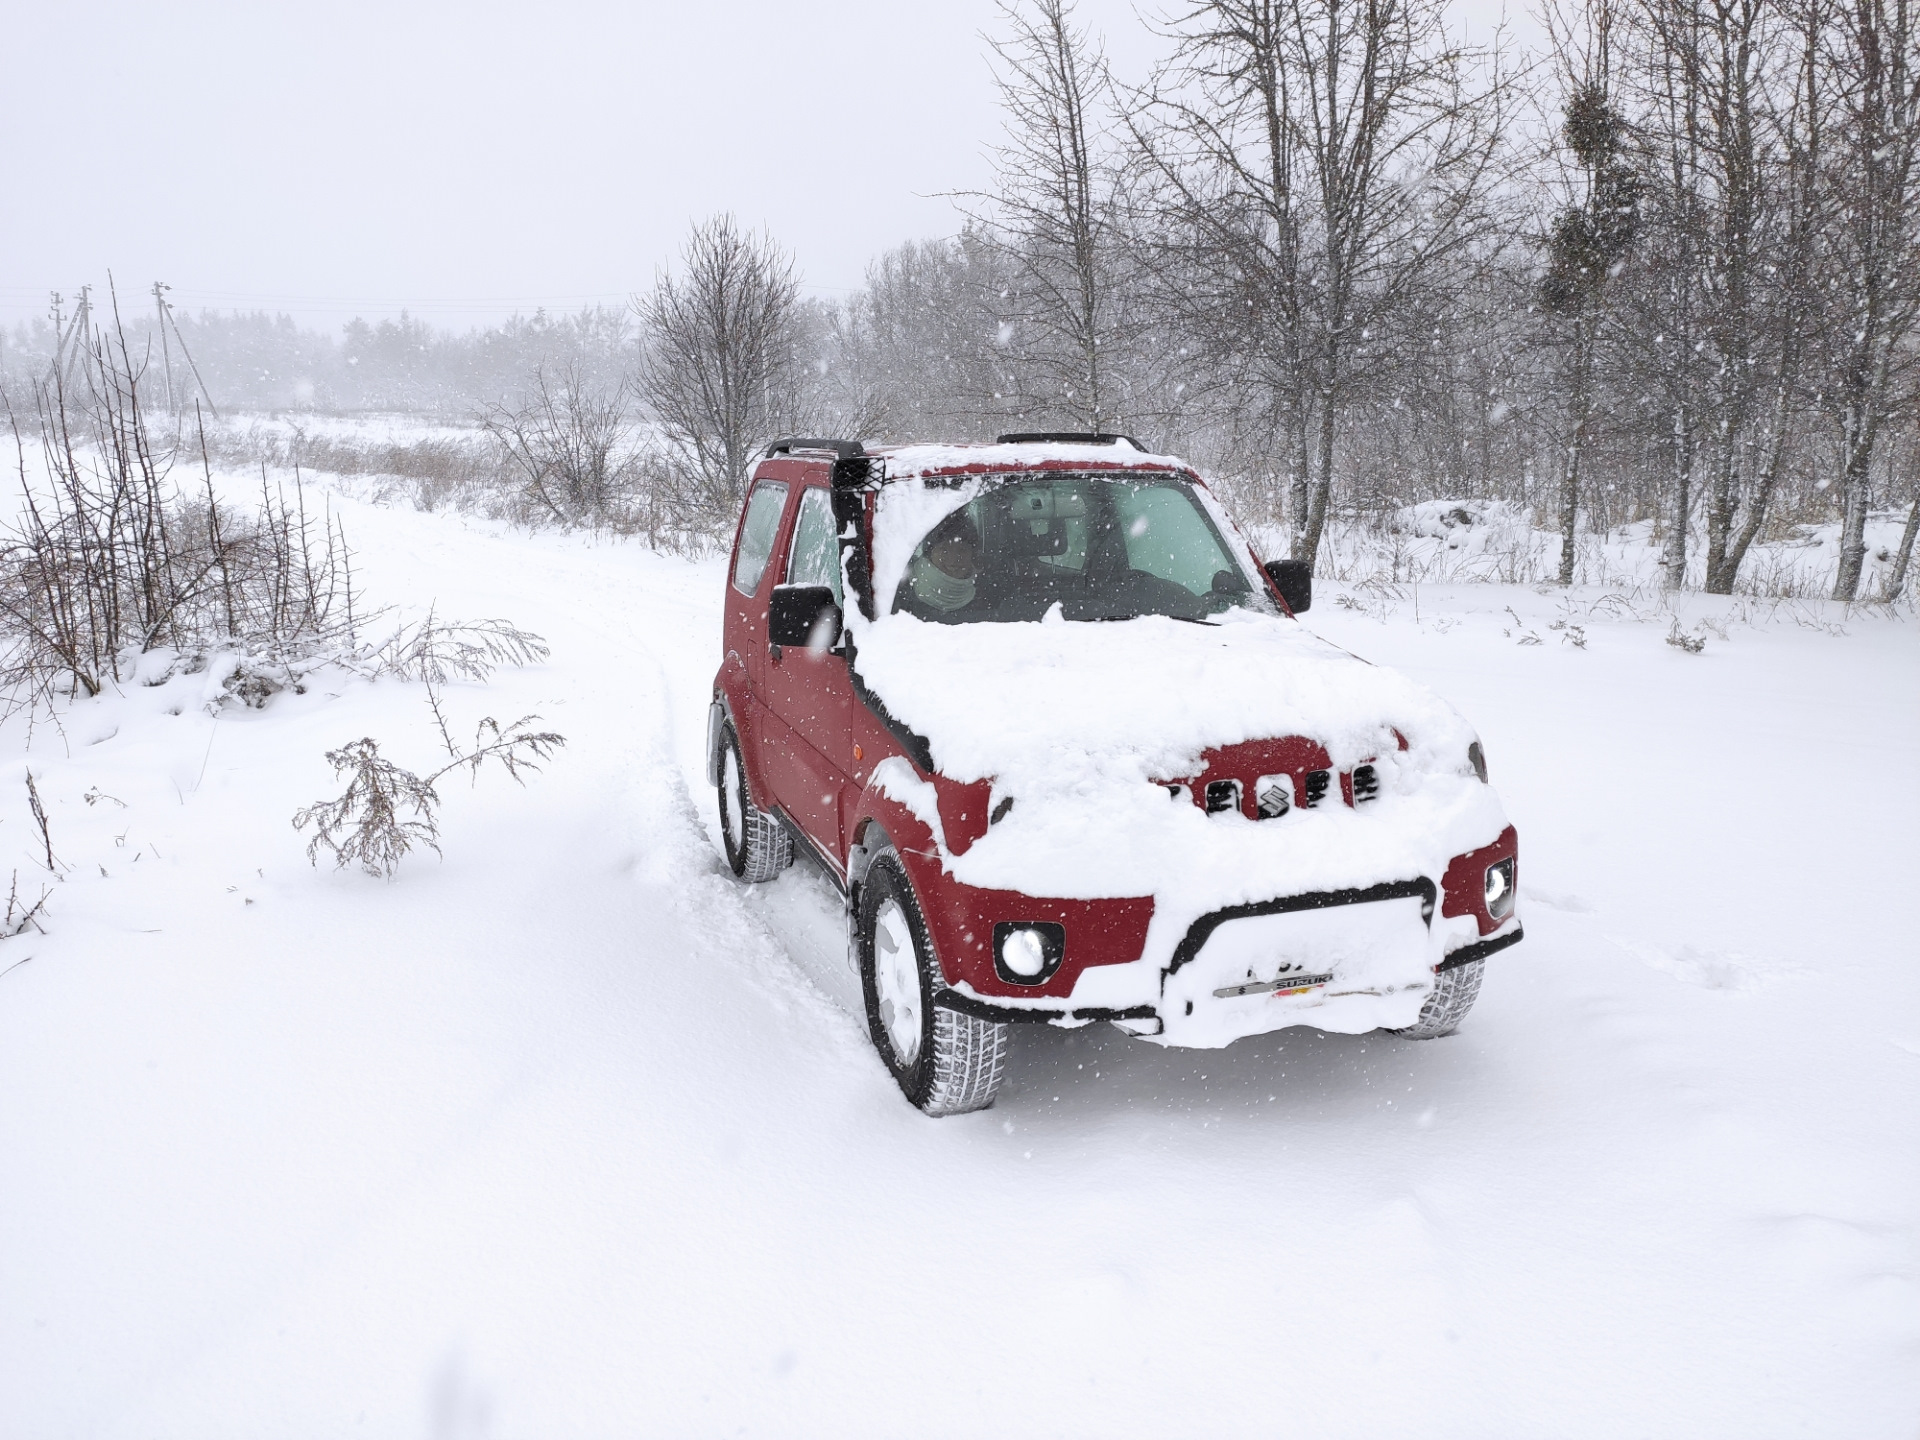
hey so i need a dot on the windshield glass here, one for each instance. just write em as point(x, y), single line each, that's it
point(1099, 549)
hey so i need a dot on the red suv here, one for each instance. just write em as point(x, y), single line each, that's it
point(1051, 726)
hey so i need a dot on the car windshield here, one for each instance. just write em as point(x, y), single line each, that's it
point(1100, 549)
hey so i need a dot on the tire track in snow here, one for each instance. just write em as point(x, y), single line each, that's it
point(622, 623)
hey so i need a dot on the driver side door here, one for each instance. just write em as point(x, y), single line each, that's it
point(811, 693)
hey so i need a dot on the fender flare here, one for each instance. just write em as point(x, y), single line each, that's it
point(720, 717)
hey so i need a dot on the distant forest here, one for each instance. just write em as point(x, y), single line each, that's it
point(1667, 270)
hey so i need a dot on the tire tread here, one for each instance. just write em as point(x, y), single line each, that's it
point(1453, 994)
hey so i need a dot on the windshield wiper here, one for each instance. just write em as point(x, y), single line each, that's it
point(1185, 619)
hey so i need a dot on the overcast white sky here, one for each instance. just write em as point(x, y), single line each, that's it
point(468, 160)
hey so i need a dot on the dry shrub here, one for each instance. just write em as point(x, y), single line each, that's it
point(367, 825)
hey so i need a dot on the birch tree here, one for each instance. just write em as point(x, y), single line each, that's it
point(1870, 261)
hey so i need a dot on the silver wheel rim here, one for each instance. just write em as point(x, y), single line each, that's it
point(896, 981)
point(732, 801)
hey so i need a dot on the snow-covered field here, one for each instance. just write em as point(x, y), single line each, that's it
point(569, 1134)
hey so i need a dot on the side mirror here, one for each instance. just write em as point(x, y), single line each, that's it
point(1294, 580)
point(803, 615)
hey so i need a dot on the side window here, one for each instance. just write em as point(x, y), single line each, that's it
point(815, 556)
point(757, 535)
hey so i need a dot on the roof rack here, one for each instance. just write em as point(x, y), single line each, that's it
point(1069, 437)
point(841, 449)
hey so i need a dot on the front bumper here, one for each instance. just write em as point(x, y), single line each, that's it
point(1346, 961)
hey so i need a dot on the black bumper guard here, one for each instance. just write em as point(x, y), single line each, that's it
point(1421, 889)
point(1198, 933)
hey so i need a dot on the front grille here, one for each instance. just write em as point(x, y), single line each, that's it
point(1366, 784)
point(1261, 784)
point(1222, 795)
point(1318, 782)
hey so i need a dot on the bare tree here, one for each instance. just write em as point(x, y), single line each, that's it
point(719, 371)
point(568, 444)
point(1589, 237)
point(1316, 162)
point(1051, 216)
point(1871, 255)
point(1770, 118)
point(108, 558)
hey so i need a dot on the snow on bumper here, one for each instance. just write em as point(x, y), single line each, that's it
point(1345, 959)
point(1340, 961)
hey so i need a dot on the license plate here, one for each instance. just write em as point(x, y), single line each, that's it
point(1285, 985)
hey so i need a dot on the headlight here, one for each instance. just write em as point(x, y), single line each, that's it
point(1027, 952)
point(1500, 895)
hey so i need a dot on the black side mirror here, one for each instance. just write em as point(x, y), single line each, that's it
point(1294, 580)
point(803, 615)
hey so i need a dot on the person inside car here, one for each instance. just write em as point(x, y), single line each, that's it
point(941, 577)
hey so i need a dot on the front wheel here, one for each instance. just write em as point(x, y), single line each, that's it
point(1454, 992)
point(945, 1063)
point(758, 846)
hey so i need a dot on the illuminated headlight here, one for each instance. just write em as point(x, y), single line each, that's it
point(1500, 889)
point(1027, 952)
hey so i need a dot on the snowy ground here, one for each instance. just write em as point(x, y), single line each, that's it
point(570, 1135)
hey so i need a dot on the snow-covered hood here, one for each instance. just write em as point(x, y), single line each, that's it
point(1076, 721)
point(1138, 699)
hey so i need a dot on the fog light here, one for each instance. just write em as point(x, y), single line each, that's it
point(1500, 889)
point(1027, 952)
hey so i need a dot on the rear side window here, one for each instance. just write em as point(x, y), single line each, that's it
point(814, 558)
point(757, 534)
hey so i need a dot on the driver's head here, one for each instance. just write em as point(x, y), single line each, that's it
point(954, 546)
point(942, 574)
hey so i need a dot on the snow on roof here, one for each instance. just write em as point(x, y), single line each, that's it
point(909, 461)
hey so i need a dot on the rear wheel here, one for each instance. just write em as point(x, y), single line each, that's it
point(758, 846)
point(945, 1063)
point(1454, 992)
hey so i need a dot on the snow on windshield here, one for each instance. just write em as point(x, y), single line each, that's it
point(1098, 548)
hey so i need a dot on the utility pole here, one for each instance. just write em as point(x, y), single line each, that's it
point(166, 351)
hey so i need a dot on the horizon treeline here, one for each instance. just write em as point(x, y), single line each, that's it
point(1665, 269)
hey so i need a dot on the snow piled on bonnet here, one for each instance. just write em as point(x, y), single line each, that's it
point(1140, 699)
point(1077, 721)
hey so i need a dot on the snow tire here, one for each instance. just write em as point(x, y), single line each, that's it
point(758, 846)
point(1454, 992)
point(957, 1061)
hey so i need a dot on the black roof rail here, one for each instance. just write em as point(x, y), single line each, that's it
point(842, 449)
point(1069, 437)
